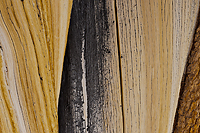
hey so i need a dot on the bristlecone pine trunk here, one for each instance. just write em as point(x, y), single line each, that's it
point(122, 71)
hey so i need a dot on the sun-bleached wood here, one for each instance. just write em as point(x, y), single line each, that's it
point(187, 113)
point(33, 36)
point(154, 40)
point(185, 14)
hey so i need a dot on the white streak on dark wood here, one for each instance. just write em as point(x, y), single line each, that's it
point(84, 83)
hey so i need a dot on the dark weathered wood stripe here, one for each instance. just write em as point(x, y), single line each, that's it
point(92, 31)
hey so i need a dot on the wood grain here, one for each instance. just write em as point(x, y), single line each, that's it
point(33, 36)
point(90, 98)
point(187, 114)
point(184, 21)
point(122, 72)
point(154, 40)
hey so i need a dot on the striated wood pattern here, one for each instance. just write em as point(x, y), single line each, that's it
point(123, 65)
point(188, 111)
point(145, 33)
point(154, 39)
point(185, 14)
point(33, 36)
point(90, 97)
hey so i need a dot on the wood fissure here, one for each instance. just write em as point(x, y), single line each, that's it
point(120, 65)
point(154, 40)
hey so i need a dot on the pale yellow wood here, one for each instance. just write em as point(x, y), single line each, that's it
point(61, 10)
point(151, 35)
point(184, 21)
point(33, 36)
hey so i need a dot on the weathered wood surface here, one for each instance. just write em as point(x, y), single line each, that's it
point(188, 111)
point(123, 66)
point(33, 36)
point(154, 39)
point(185, 14)
point(90, 97)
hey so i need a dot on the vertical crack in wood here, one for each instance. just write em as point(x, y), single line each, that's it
point(120, 63)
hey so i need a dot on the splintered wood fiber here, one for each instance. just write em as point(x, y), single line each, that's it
point(188, 110)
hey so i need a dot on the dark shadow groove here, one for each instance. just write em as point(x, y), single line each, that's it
point(120, 64)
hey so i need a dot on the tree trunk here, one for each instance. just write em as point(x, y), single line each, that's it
point(122, 70)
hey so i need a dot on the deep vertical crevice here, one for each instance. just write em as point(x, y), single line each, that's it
point(120, 64)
